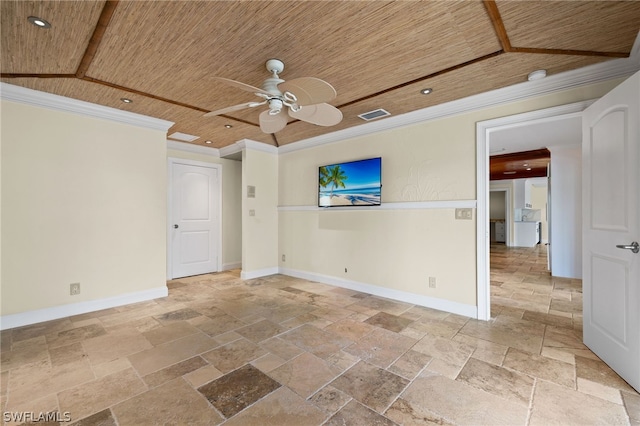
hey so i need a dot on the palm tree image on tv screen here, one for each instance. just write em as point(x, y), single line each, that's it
point(355, 183)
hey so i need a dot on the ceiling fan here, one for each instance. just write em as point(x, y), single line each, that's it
point(305, 99)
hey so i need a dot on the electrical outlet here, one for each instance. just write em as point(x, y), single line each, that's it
point(432, 282)
point(284, 258)
point(74, 289)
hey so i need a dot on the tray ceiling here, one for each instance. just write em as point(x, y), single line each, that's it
point(377, 54)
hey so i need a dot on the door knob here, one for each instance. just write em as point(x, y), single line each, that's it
point(176, 226)
point(634, 247)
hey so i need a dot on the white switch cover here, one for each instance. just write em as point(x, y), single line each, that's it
point(464, 214)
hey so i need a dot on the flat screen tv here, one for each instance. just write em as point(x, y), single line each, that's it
point(354, 183)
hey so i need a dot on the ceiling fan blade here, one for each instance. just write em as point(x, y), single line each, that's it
point(272, 123)
point(309, 90)
point(320, 114)
point(241, 86)
point(234, 108)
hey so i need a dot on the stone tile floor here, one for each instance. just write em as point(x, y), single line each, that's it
point(285, 351)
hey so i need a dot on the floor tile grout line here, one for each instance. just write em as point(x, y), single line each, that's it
point(531, 407)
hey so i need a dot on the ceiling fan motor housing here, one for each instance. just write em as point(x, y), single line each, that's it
point(271, 85)
point(275, 106)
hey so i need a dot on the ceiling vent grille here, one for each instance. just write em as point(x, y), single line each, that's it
point(372, 115)
point(184, 137)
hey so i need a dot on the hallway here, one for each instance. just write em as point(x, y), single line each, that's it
point(521, 284)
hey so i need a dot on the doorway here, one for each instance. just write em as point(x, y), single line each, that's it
point(484, 132)
point(194, 234)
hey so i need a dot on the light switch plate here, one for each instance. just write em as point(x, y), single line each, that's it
point(464, 214)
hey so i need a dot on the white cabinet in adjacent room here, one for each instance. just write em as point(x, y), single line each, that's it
point(527, 234)
point(500, 234)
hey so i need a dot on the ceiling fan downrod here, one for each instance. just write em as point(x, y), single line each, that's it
point(270, 85)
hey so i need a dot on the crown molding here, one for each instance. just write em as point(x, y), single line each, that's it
point(229, 150)
point(560, 112)
point(189, 147)
point(592, 74)
point(36, 98)
point(223, 152)
point(252, 145)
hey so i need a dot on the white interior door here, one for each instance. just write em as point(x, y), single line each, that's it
point(611, 194)
point(194, 219)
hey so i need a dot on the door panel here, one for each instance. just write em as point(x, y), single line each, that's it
point(195, 219)
point(195, 247)
point(195, 190)
point(609, 307)
point(609, 146)
point(611, 217)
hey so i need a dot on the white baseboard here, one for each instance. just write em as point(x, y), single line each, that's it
point(249, 275)
point(231, 265)
point(62, 311)
point(402, 296)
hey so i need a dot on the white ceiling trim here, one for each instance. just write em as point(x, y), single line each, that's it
point(223, 152)
point(546, 115)
point(36, 98)
point(189, 147)
point(248, 144)
point(596, 73)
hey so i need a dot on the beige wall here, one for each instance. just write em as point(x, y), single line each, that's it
point(260, 231)
point(395, 249)
point(231, 203)
point(83, 200)
point(398, 249)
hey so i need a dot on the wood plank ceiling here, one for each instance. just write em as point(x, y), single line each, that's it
point(519, 165)
point(377, 54)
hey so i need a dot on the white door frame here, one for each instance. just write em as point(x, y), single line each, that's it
point(171, 161)
point(483, 137)
point(508, 215)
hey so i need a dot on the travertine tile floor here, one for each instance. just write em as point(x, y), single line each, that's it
point(285, 351)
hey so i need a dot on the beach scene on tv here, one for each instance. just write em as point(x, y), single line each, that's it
point(355, 183)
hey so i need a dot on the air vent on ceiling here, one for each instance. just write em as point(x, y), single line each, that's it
point(183, 137)
point(372, 115)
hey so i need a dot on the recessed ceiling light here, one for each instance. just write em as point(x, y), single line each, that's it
point(126, 100)
point(208, 142)
point(537, 75)
point(39, 22)
point(426, 91)
point(526, 164)
point(508, 173)
point(228, 126)
point(528, 168)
